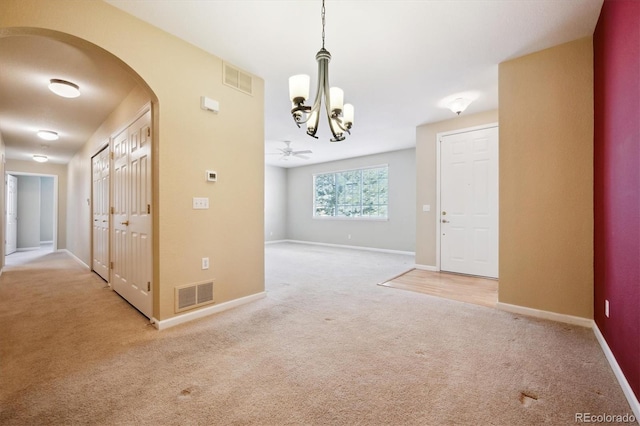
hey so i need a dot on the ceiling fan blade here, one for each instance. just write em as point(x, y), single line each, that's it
point(304, 157)
point(302, 152)
point(273, 153)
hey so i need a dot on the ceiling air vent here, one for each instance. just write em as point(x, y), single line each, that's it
point(193, 295)
point(237, 79)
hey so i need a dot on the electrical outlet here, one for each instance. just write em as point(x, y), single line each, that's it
point(200, 203)
point(606, 308)
point(205, 263)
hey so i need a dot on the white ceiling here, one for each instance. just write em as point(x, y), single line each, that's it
point(396, 60)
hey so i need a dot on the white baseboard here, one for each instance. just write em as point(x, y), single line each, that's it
point(426, 268)
point(275, 241)
point(409, 253)
point(28, 248)
point(74, 257)
point(622, 380)
point(210, 310)
point(553, 316)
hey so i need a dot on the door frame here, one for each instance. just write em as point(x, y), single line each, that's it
point(55, 200)
point(439, 137)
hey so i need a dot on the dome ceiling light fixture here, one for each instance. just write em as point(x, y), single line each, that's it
point(40, 158)
point(340, 115)
point(64, 88)
point(459, 104)
point(48, 135)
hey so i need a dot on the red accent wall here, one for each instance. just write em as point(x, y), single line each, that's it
point(616, 44)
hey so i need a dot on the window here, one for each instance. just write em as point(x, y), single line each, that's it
point(361, 193)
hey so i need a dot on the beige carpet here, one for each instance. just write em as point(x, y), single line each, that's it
point(326, 347)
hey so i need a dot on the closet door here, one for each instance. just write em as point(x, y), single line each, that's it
point(131, 243)
point(100, 206)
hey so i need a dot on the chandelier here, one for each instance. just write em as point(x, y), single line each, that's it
point(340, 115)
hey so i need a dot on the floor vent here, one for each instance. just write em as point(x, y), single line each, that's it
point(193, 295)
point(237, 79)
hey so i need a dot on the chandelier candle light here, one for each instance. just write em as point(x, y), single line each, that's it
point(340, 115)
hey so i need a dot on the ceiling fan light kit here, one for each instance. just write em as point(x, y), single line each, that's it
point(340, 115)
point(288, 152)
point(40, 158)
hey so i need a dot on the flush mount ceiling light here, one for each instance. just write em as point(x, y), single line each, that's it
point(40, 158)
point(48, 135)
point(64, 88)
point(459, 104)
point(340, 115)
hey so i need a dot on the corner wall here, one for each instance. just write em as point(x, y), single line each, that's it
point(617, 182)
point(546, 180)
point(426, 159)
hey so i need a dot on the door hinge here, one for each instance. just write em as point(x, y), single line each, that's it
point(148, 132)
point(111, 155)
point(148, 285)
point(110, 265)
point(112, 210)
point(148, 208)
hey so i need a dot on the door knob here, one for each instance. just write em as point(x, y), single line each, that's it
point(445, 221)
point(125, 223)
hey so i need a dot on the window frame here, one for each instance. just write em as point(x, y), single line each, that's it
point(359, 217)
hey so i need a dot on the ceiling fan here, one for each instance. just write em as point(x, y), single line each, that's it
point(287, 152)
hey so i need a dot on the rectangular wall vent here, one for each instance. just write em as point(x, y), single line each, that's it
point(237, 79)
point(193, 295)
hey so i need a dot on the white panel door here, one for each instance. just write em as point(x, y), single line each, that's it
point(469, 202)
point(12, 215)
point(100, 207)
point(131, 235)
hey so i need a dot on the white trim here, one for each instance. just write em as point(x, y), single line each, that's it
point(553, 316)
point(439, 136)
point(410, 253)
point(28, 248)
point(275, 242)
point(74, 257)
point(55, 201)
point(622, 380)
point(427, 268)
point(210, 310)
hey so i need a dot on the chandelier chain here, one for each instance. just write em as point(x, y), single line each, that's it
point(323, 21)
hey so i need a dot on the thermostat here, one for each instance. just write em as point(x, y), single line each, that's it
point(212, 176)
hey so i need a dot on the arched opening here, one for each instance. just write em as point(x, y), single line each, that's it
point(113, 96)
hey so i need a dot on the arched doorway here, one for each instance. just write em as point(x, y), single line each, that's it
point(113, 96)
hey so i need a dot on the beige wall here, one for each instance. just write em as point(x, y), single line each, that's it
point(2, 203)
point(187, 142)
point(546, 180)
point(426, 178)
point(59, 170)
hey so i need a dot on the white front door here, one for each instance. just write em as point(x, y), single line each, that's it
point(100, 206)
point(12, 215)
point(469, 202)
point(131, 235)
